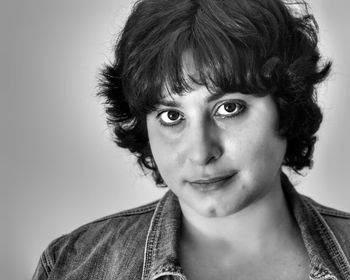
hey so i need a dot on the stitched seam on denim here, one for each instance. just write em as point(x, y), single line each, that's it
point(321, 273)
point(330, 240)
point(326, 210)
point(150, 240)
point(141, 209)
point(334, 247)
point(180, 275)
point(168, 269)
point(145, 209)
point(334, 213)
point(46, 263)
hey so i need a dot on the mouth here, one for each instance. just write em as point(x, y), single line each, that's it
point(213, 183)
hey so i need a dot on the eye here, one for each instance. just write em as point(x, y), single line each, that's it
point(170, 117)
point(230, 109)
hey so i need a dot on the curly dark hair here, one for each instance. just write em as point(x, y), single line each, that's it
point(254, 47)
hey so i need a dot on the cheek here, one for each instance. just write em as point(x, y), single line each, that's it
point(256, 148)
point(159, 149)
point(270, 152)
point(164, 153)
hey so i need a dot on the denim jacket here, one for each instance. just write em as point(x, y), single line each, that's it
point(142, 243)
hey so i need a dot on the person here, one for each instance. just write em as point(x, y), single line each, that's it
point(216, 99)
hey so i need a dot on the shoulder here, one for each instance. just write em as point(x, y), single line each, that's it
point(109, 237)
point(328, 212)
point(132, 221)
point(337, 221)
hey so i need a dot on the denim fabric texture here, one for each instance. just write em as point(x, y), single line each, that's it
point(142, 243)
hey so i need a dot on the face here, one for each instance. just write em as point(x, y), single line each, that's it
point(219, 153)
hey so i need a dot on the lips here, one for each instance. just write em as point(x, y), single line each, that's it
point(212, 183)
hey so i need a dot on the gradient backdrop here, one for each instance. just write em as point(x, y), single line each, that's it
point(59, 167)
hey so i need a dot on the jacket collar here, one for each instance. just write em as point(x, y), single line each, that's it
point(326, 256)
point(161, 254)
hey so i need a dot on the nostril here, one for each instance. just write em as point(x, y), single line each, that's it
point(204, 153)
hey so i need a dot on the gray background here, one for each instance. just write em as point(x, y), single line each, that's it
point(59, 167)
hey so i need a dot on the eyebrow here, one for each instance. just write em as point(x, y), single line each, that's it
point(169, 103)
point(172, 103)
point(216, 95)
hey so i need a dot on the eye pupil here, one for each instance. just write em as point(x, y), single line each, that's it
point(230, 107)
point(173, 116)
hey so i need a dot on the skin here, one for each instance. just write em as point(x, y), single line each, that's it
point(207, 141)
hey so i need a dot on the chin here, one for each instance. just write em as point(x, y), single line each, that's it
point(219, 209)
point(227, 204)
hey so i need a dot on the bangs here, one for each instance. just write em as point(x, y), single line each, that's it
point(200, 51)
point(197, 58)
point(228, 45)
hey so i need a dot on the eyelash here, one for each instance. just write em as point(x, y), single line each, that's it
point(239, 104)
point(159, 117)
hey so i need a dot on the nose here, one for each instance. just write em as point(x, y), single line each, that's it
point(204, 144)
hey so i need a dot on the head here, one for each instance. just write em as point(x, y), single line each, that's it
point(265, 48)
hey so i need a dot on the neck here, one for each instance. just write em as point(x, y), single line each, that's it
point(265, 223)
